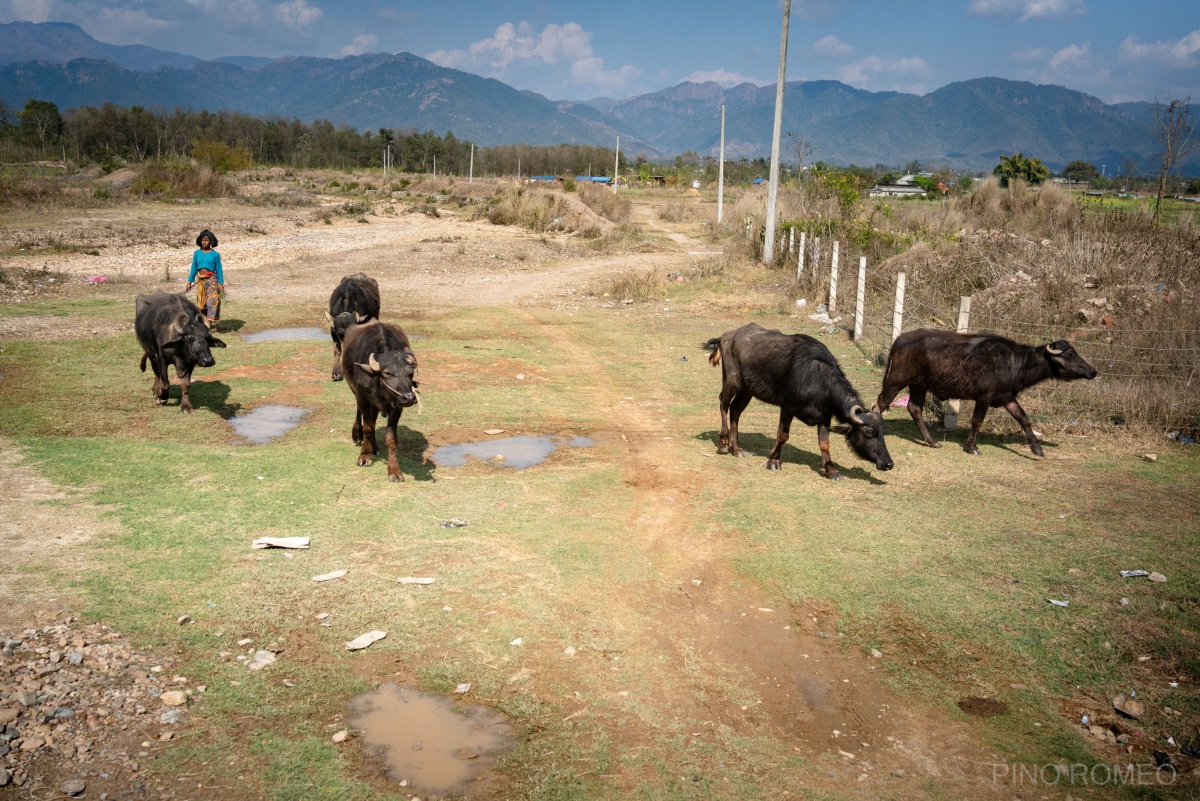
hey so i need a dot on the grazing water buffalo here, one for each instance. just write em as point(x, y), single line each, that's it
point(355, 301)
point(985, 368)
point(379, 366)
point(171, 330)
point(799, 375)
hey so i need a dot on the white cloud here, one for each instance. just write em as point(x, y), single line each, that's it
point(28, 10)
point(1184, 52)
point(360, 44)
point(832, 47)
point(1071, 57)
point(865, 72)
point(1025, 10)
point(297, 14)
point(519, 45)
point(723, 77)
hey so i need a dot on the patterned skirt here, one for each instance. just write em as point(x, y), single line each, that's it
point(208, 297)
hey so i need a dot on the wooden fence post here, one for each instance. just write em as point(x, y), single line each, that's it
point(898, 311)
point(791, 240)
point(954, 407)
point(833, 268)
point(800, 263)
point(861, 297)
point(816, 262)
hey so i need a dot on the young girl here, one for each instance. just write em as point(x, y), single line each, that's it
point(207, 276)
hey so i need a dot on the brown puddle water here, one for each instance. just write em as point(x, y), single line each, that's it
point(435, 745)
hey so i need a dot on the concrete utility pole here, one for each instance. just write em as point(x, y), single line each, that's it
point(721, 170)
point(471, 178)
point(773, 187)
point(617, 162)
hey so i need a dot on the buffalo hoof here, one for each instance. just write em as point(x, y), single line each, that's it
point(335, 378)
point(973, 451)
point(739, 453)
point(185, 409)
point(722, 449)
point(395, 478)
point(160, 401)
point(773, 464)
point(366, 461)
point(834, 476)
point(1037, 451)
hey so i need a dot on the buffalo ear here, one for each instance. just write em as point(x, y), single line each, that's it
point(329, 316)
point(213, 342)
point(361, 318)
point(179, 322)
point(841, 428)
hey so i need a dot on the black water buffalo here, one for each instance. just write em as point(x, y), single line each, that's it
point(379, 366)
point(799, 375)
point(985, 368)
point(171, 330)
point(355, 301)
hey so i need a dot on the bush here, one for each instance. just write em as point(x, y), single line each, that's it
point(182, 179)
point(221, 157)
point(112, 164)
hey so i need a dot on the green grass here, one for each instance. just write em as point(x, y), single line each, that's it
point(943, 564)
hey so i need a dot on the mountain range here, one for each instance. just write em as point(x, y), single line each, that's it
point(965, 125)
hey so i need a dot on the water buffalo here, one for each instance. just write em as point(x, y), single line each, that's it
point(985, 368)
point(799, 375)
point(171, 330)
point(355, 301)
point(379, 366)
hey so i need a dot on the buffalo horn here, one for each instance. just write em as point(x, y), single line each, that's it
point(855, 411)
point(361, 318)
point(1050, 349)
point(375, 368)
point(179, 322)
point(329, 316)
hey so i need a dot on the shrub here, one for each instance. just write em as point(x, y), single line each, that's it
point(220, 157)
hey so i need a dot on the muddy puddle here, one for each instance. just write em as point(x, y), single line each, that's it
point(518, 452)
point(278, 334)
point(433, 744)
point(267, 422)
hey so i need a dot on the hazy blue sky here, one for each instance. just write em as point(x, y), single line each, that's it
point(1116, 50)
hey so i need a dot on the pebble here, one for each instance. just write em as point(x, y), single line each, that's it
point(73, 788)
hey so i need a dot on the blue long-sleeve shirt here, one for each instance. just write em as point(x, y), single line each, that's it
point(206, 260)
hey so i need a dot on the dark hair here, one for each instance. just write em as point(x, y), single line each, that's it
point(212, 238)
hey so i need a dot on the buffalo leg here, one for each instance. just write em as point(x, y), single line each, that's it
point(185, 383)
point(1022, 419)
point(356, 431)
point(916, 407)
point(367, 453)
point(337, 362)
point(981, 410)
point(781, 436)
point(735, 409)
point(389, 436)
point(162, 382)
point(826, 460)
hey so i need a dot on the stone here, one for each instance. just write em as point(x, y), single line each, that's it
point(27, 697)
point(1151, 457)
point(73, 787)
point(32, 743)
point(1129, 707)
point(1157, 577)
point(174, 698)
point(341, 736)
point(8, 715)
point(5, 778)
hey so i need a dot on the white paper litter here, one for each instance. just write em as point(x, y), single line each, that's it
point(281, 542)
point(334, 574)
point(1133, 573)
point(493, 430)
point(463, 688)
point(1058, 603)
point(414, 580)
point(517, 641)
point(365, 640)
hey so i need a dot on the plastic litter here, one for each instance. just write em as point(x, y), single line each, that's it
point(1058, 603)
point(281, 542)
point(453, 522)
point(1133, 573)
point(415, 580)
point(335, 574)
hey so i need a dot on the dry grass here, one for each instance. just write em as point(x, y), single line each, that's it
point(604, 202)
point(182, 180)
point(635, 285)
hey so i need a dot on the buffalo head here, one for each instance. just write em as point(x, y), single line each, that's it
point(196, 339)
point(1065, 363)
point(864, 435)
point(339, 325)
point(395, 370)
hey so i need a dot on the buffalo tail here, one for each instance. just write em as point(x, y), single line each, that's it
point(144, 355)
point(713, 346)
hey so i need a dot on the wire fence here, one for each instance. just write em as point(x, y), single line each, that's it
point(1148, 358)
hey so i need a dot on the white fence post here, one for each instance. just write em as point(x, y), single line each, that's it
point(833, 280)
point(800, 263)
point(861, 297)
point(954, 407)
point(791, 240)
point(816, 262)
point(898, 311)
